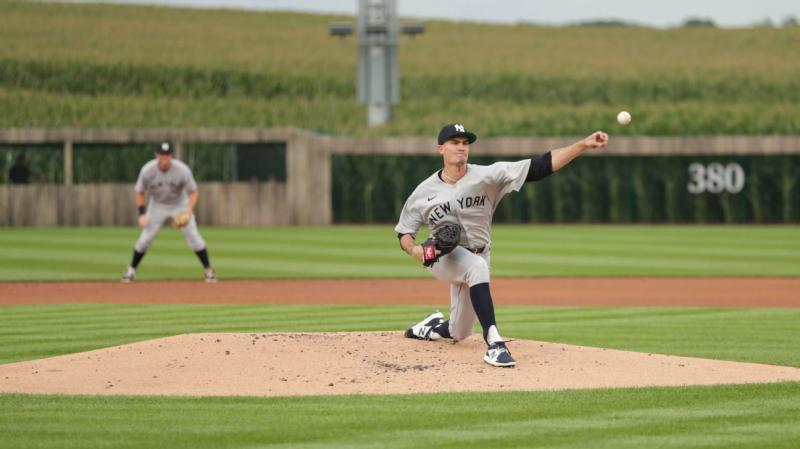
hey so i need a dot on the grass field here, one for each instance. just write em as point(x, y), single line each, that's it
point(748, 335)
point(90, 65)
point(763, 416)
point(373, 252)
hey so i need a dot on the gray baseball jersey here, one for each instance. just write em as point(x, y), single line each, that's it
point(471, 201)
point(167, 187)
point(168, 196)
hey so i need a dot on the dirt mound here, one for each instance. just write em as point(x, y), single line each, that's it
point(286, 364)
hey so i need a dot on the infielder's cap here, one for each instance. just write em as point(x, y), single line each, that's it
point(164, 148)
point(454, 130)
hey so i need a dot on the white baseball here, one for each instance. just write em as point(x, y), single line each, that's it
point(624, 118)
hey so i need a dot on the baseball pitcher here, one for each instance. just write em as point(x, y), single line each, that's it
point(172, 192)
point(457, 204)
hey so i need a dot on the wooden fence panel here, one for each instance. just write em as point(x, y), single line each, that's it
point(220, 204)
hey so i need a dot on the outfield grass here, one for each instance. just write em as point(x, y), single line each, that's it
point(373, 252)
point(763, 416)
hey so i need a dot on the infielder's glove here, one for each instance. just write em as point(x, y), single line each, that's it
point(181, 219)
point(445, 239)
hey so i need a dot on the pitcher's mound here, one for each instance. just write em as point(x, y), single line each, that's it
point(367, 362)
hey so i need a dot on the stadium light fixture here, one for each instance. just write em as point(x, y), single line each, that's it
point(378, 83)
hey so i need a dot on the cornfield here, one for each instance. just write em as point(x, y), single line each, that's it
point(140, 66)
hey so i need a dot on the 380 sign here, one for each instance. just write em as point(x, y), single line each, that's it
point(715, 178)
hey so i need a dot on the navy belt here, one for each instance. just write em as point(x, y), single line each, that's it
point(477, 250)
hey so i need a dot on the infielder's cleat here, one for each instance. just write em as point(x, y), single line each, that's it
point(498, 355)
point(128, 274)
point(423, 329)
point(211, 275)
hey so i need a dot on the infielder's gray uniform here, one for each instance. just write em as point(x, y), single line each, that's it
point(168, 195)
point(471, 202)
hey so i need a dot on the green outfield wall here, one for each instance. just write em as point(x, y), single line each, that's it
point(600, 189)
point(263, 177)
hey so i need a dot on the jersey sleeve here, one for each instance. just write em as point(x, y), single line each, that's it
point(141, 181)
point(190, 185)
point(410, 218)
point(509, 176)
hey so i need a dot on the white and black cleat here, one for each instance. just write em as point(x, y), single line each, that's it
point(423, 329)
point(128, 275)
point(498, 355)
point(211, 275)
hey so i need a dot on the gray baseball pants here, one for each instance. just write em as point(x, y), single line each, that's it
point(158, 215)
point(462, 269)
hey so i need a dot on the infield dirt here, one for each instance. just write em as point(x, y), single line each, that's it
point(281, 364)
point(381, 362)
point(631, 292)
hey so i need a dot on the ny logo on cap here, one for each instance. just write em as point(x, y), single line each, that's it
point(459, 128)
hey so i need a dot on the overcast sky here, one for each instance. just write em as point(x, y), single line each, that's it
point(661, 13)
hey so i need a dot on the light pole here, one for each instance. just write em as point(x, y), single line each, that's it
point(378, 84)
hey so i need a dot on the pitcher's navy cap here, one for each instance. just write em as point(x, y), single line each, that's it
point(453, 130)
point(164, 148)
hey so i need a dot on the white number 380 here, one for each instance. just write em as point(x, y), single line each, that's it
point(715, 178)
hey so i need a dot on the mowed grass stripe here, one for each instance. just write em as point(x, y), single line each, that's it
point(372, 251)
point(46, 334)
point(754, 335)
point(695, 332)
point(383, 235)
point(603, 263)
point(245, 238)
point(591, 258)
point(291, 259)
point(714, 417)
point(380, 233)
point(174, 315)
point(744, 235)
point(568, 268)
point(678, 248)
point(779, 236)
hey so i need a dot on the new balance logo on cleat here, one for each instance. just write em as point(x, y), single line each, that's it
point(498, 355)
point(423, 329)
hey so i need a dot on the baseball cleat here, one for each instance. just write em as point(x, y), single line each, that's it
point(498, 355)
point(422, 330)
point(210, 274)
point(128, 274)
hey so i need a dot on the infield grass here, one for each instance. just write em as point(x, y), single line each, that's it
point(742, 416)
point(750, 335)
point(754, 416)
point(373, 252)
